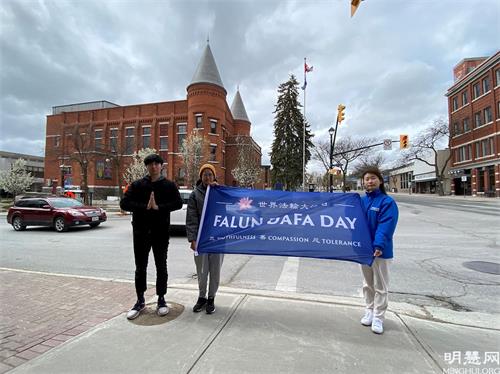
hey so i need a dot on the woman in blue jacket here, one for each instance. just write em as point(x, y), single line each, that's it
point(382, 215)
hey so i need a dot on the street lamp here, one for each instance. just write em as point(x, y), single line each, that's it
point(331, 131)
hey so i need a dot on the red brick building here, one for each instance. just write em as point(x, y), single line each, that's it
point(474, 119)
point(111, 129)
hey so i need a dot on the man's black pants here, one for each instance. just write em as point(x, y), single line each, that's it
point(144, 240)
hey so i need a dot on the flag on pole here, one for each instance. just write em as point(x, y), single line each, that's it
point(307, 69)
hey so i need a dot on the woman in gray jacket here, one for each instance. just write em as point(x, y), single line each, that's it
point(208, 263)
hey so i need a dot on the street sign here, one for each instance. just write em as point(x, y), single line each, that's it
point(464, 178)
point(387, 144)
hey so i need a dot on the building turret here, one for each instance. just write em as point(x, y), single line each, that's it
point(207, 108)
point(241, 121)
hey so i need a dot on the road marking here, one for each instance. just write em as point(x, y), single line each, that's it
point(68, 275)
point(288, 278)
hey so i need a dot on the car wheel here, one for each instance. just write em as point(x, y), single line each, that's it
point(17, 224)
point(60, 225)
point(95, 224)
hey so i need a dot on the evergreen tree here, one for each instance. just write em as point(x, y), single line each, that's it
point(286, 151)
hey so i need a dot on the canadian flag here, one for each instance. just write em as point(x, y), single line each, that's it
point(307, 69)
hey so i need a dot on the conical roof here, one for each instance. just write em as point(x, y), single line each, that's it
point(238, 108)
point(207, 71)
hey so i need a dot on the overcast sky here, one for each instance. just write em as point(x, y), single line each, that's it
point(390, 64)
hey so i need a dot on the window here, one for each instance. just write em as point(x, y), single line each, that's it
point(113, 140)
point(477, 119)
point(198, 121)
point(456, 129)
point(497, 77)
point(213, 152)
point(146, 136)
point(477, 147)
point(455, 103)
point(98, 139)
point(57, 141)
point(463, 153)
point(486, 84)
point(405, 181)
point(465, 100)
point(498, 109)
point(163, 136)
point(213, 126)
point(487, 147)
point(181, 135)
point(466, 124)
point(129, 140)
point(487, 115)
point(476, 89)
point(103, 169)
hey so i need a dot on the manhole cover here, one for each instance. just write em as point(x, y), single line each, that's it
point(148, 316)
point(483, 267)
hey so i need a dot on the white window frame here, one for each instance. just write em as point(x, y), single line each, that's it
point(131, 137)
point(213, 146)
point(101, 132)
point(113, 138)
point(178, 125)
point(212, 120)
point(200, 116)
point(146, 135)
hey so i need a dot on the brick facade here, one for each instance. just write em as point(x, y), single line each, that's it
point(130, 128)
point(474, 119)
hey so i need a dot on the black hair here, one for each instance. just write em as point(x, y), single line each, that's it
point(153, 158)
point(375, 171)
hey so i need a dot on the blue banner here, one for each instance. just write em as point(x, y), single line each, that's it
point(280, 223)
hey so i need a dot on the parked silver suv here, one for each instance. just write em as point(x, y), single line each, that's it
point(178, 217)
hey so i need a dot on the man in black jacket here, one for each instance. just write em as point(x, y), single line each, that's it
point(151, 199)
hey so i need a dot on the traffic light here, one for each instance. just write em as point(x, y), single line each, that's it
point(340, 113)
point(404, 142)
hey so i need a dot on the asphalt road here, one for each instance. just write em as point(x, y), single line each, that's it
point(435, 243)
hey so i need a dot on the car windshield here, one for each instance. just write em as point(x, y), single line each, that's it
point(65, 203)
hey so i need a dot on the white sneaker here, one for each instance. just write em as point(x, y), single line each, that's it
point(377, 326)
point(136, 310)
point(367, 318)
point(162, 308)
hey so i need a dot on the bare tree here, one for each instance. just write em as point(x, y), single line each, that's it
point(81, 149)
point(368, 161)
point(247, 171)
point(194, 152)
point(346, 151)
point(426, 144)
point(115, 155)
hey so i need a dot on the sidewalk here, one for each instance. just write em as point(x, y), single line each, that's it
point(257, 332)
point(446, 197)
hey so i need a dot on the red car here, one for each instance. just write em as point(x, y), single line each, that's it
point(58, 212)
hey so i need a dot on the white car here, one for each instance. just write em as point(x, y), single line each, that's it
point(178, 217)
